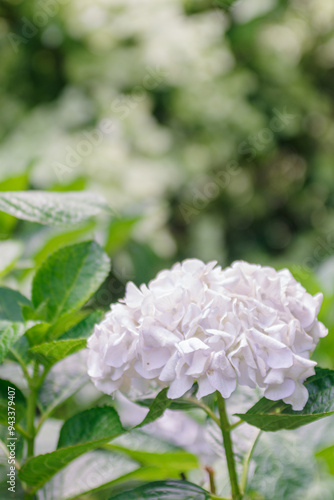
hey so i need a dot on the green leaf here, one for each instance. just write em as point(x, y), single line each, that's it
point(9, 333)
point(37, 333)
point(82, 433)
point(8, 222)
point(179, 460)
point(84, 328)
point(157, 408)
point(119, 233)
point(50, 353)
point(10, 304)
point(50, 208)
point(68, 278)
point(276, 415)
point(167, 490)
point(10, 252)
point(327, 455)
point(65, 323)
point(19, 400)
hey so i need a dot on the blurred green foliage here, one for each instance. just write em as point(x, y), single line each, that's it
point(207, 126)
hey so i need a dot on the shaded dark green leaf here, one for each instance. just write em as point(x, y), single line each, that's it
point(19, 400)
point(167, 490)
point(157, 407)
point(275, 415)
point(10, 304)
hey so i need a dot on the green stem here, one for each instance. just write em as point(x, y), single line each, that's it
point(214, 497)
point(233, 426)
point(21, 431)
point(227, 441)
point(31, 411)
point(246, 464)
point(207, 410)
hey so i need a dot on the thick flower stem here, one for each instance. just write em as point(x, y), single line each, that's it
point(227, 441)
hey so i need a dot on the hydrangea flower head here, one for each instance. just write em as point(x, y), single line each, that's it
point(245, 324)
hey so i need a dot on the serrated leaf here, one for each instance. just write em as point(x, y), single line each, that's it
point(10, 304)
point(9, 333)
point(50, 353)
point(68, 278)
point(165, 490)
point(50, 208)
point(157, 407)
point(82, 433)
point(10, 252)
point(276, 415)
point(19, 400)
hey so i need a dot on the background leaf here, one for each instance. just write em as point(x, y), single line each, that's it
point(275, 415)
point(56, 209)
point(10, 252)
point(177, 460)
point(68, 278)
point(10, 304)
point(9, 333)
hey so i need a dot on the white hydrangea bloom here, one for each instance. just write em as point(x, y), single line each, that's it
point(196, 322)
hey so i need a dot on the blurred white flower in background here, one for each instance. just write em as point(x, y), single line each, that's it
point(199, 323)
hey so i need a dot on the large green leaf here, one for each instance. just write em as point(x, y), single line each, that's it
point(55, 209)
point(10, 304)
point(167, 490)
point(19, 400)
point(68, 278)
point(82, 433)
point(157, 407)
point(275, 415)
point(50, 353)
point(9, 333)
